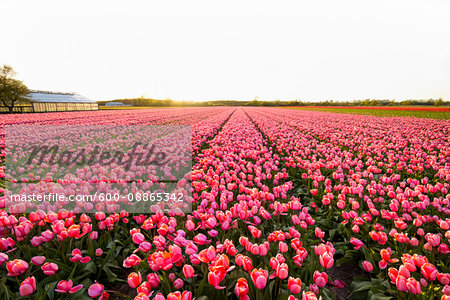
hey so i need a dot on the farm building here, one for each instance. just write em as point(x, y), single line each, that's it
point(114, 104)
point(43, 101)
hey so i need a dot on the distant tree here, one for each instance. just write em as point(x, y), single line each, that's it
point(439, 102)
point(12, 91)
point(406, 102)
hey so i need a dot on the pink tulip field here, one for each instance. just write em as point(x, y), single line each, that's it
point(284, 204)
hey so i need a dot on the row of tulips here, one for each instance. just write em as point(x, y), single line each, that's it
point(382, 182)
point(280, 198)
point(78, 251)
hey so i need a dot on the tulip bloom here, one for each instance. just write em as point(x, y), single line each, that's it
point(177, 296)
point(326, 260)
point(282, 271)
point(429, 271)
point(241, 288)
point(356, 243)
point(4, 258)
point(49, 268)
point(138, 238)
point(188, 271)
point(131, 261)
point(259, 278)
point(368, 267)
point(178, 283)
point(153, 279)
point(294, 285)
point(309, 296)
point(319, 233)
point(444, 278)
point(16, 267)
point(283, 247)
point(134, 279)
point(320, 279)
point(77, 257)
point(38, 260)
point(27, 287)
point(413, 286)
point(95, 290)
point(67, 287)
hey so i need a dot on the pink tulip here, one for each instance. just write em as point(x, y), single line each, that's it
point(27, 287)
point(429, 271)
point(188, 271)
point(283, 247)
point(49, 268)
point(131, 261)
point(309, 296)
point(413, 286)
point(67, 287)
point(178, 283)
point(95, 290)
point(368, 267)
point(3, 258)
point(16, 267)
point(356, 243)
point(294, 285)
point(38, 260)
point(134, 279)
point(153, 279)
point(138, 238)
point(259, 278)
point(320, 279)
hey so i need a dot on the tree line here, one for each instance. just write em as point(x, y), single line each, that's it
point(142, 102)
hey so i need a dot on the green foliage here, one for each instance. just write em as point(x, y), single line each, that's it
point(12, 91)
point(428, 114)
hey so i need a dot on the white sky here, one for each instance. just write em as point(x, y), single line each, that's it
point(205, 50)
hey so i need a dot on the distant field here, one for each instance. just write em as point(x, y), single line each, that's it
point(417, 112)
point(127, 107)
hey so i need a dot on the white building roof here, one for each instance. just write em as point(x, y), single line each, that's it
point(43, 96)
